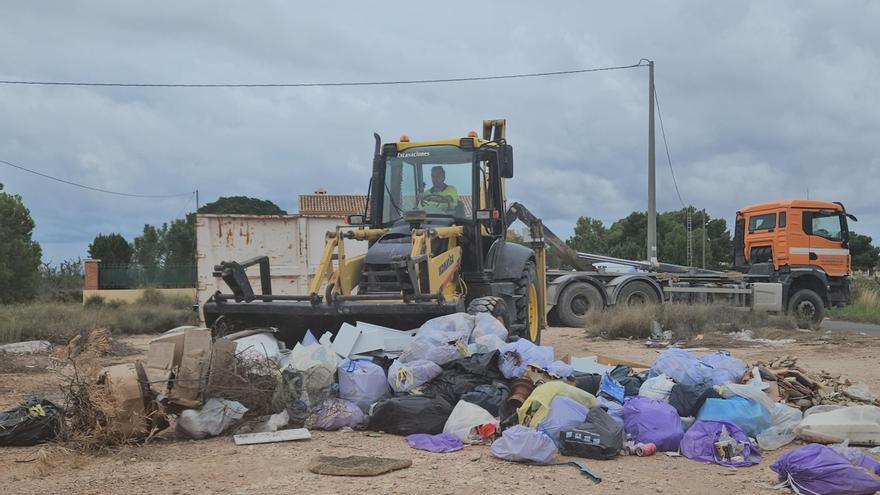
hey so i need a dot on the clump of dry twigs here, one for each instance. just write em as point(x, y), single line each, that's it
point(252, 382)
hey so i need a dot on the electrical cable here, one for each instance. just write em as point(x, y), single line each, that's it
point(666, 145)
point(324, 84)
point(98, 189)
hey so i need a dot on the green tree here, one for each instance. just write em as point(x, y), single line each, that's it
point(180, 241)
point(590, 236)
point(19, 253)
point(242, 205)
point(148, 247)
point(111, 249)
point(865, 256)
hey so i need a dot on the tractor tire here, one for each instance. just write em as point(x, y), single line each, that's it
point(528, 295)
point(807, 308)
point(637, 292)
point(495, 306)
point(577, 302)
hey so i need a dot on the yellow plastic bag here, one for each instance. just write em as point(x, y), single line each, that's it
point(536, 407)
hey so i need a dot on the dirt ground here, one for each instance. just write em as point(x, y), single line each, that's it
point(216, 465)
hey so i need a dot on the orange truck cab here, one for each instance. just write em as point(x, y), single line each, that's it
point(802, 244)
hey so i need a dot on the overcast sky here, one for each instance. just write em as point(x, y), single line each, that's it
point(761, 100)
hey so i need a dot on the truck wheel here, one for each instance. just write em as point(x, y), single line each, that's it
point(637, 292)
point(807, 308)
point(577, 302)
point(495, 306)
point(527, 303)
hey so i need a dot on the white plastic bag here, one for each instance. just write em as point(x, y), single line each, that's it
point(215, 417)
point(464, 420)
point(858, 424)
point(440, 340)
point(748, 391)
point(303, 357)
point(520, 443)
point(404, 377)
point(260, 346)
point(516, 356)
point(784, 421)
point(486, 344)
point(486, 324)
point(657, 388)
point(362, 382)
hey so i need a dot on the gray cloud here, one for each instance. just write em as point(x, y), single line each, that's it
point(760, 100)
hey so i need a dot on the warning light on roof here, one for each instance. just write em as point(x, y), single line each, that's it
point(404, 139)
point(472, 134)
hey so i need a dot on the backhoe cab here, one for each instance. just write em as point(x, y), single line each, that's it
point(436, 227)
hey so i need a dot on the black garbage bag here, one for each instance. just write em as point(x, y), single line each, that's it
point(631, 384)
point(688, 399)
point(35, 421)
point(463, 375)
point(490, 397)
point(588, 382)
point(410, 414)
point(599, 437)
point(485, 365)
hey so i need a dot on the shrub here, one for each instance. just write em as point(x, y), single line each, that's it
point(684, 320)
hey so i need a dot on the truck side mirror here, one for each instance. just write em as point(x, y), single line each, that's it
point(505, 161)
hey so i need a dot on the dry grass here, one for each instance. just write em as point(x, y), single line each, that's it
point(684, 320)
point(58, 322)
point(866, 302)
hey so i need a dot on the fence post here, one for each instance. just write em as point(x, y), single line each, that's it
point(92, 268)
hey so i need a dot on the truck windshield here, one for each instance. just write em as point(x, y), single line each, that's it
point(436, 179)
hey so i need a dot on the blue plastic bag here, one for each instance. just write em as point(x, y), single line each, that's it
point(612, 388)
point(564, 414)
point(652, 421)
point(720, 368)
point(749, 415)
point(524, 444)
point(362, 382)
point(516, 356)
point(442, 442)
point(678, 364)
point(816, 468)
point(614, 409)
point(698, 444)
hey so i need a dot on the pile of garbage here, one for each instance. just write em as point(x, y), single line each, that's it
point(461, 380)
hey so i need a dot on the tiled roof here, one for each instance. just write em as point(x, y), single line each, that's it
point(331, 204)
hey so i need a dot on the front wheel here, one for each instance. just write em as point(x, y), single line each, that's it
point(807, 308)
point(527, 303)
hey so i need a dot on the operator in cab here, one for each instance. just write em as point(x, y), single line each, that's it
point(440, 195)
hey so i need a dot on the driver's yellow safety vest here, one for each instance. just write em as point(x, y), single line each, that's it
point(450, 191)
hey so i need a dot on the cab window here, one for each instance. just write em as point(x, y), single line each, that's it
point(781, 219)
point(762, 222)
point(826, 225)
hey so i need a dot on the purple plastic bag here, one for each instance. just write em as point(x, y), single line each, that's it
point(442, 442)
point(652, 421)
point(698, 443)
point(816, 468)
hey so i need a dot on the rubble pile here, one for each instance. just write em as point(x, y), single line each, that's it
point(804, 389)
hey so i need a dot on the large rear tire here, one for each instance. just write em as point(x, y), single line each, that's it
point(807, 308)
point(637, 292)
point(495, 306)
point(527, 303)
point(577, 302)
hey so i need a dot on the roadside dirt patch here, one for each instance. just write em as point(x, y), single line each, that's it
point(218, 466)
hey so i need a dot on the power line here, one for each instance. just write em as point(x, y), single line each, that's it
point(666, 145)
point(324, 84)
point(92, 188)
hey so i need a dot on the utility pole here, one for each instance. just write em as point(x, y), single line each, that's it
point(705, 224)
point(652, 198)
